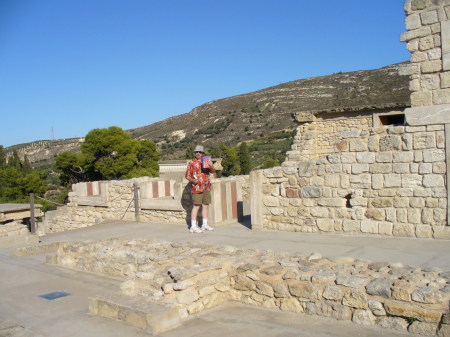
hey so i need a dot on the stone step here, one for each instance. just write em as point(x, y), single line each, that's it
point(18, 240)
point(151, 317)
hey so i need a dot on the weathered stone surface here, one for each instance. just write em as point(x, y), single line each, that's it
point(394, 323)
point(352, 282)
point(303, 290)
point(363, 317)
point(390, 143)
point(291, 304)
point(311, 192)
point(333, 293)
point(426, 295)
point(408, 310)
point(444, 330)
point(379, 287)
point(422, 328)
point(355, 299)
point(377, 308)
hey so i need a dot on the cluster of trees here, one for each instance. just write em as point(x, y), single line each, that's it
point(18, 179)
point(108, 154)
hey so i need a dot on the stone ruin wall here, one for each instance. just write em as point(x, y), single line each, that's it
point(191, 277)
point(428, 39)
point(317, 139)
point(386, 181)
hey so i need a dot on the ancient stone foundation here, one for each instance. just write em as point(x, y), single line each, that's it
point(191, 277)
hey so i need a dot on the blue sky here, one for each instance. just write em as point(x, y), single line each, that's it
point(69, 66)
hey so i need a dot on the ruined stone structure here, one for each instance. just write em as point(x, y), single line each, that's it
point(377, 169)
point(187, 278)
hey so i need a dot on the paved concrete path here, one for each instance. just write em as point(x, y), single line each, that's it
point(25, 279)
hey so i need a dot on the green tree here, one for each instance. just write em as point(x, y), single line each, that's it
point(68, 165)
point(17, 186)
point(26, 165)
point(14, 160)
point(148, 158)
point(244, 159)
point(2, 156)
point(109, 154)
point(230, 161)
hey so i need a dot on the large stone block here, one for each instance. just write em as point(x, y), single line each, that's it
point(271, 201)
point(403, 157)
point(369, 226)
point(403, 309)
point(379, 287)
point(307, 169)
point(403, 229)
point(304, 291)
point(355, 299)
point(325, 225)
point(428, 114)
point(433, 180)
point(311, 192)
point(390, 143)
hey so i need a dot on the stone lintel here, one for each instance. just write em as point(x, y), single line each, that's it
point(428, 115)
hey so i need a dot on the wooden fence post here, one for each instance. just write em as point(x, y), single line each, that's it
point(136, 202)
point(33, 228)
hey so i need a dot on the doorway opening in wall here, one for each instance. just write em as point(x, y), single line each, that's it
point(394, 120)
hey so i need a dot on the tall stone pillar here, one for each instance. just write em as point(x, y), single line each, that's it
point(428, 40)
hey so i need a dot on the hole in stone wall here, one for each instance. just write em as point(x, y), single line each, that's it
point(392, 119)
point(347, 203)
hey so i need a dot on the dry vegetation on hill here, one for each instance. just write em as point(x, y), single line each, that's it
point(256, 115)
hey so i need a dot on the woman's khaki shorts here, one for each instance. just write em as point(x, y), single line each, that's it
point(201, 198)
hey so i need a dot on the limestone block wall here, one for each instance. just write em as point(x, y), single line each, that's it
point(192, 277)
point(320, 138)
point(428, 40)
point(385, 181)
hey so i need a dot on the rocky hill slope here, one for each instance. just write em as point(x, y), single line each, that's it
point(249, 116)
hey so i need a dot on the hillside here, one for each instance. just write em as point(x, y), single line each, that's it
point(256, 114)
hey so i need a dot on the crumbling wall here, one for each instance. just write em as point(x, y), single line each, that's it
point(386, 181)
point(319, 138)
point(192, 277)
